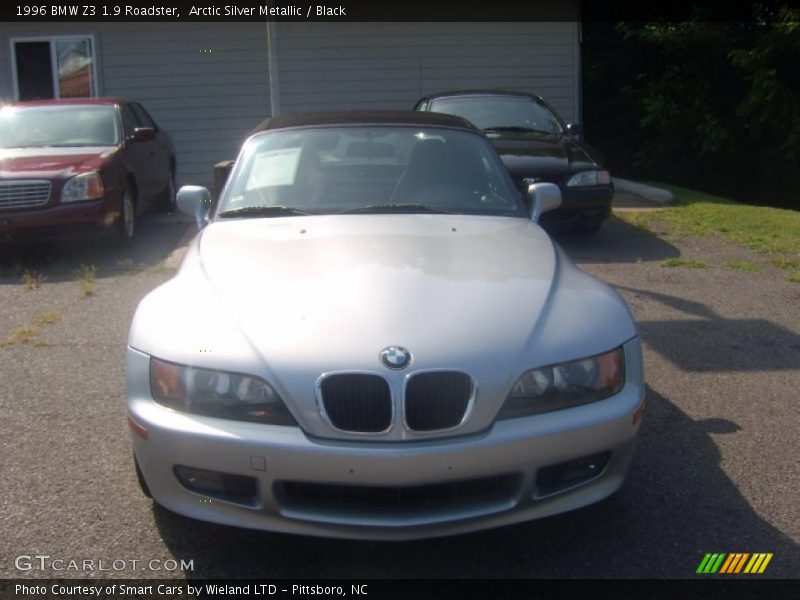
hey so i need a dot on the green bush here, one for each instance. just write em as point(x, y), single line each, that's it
point(713, 105)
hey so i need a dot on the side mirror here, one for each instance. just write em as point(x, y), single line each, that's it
point(575, 130)
point(544, 197)
point(143, 134)
point(195, 201)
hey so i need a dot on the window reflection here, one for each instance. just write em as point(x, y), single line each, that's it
point(75, 68)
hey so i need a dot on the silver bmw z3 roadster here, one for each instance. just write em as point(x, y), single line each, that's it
point(371, 337)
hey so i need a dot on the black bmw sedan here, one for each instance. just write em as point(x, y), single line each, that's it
point(537, 146)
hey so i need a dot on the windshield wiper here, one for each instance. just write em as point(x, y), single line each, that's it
point(388, 208)
point(514, 128)
point(263, 211)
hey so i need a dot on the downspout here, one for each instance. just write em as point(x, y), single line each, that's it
point(272, 62)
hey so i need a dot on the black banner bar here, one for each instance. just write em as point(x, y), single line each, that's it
point(33, 11)
point(731, 588)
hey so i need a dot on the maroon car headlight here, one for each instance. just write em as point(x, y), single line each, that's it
point(586, 178)
point(565, 385)
point(217, 394)
point(88, 186)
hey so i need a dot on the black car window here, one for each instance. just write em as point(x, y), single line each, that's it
point(500, 112)
point(129, 119)
point(142, 115)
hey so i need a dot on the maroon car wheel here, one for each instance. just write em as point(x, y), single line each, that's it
point(126, 226)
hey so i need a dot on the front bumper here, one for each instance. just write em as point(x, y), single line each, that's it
point(59, 221)
point(272, 456)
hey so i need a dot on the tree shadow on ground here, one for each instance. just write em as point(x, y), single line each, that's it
point(708, 342)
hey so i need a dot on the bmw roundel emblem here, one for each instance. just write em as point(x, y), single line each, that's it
point(395, 357)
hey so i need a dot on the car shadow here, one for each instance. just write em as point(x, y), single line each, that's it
point(616, 242)
point(676, 505)
point(708, 342)
point(56, 261)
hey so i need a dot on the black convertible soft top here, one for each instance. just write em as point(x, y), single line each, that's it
point(479, 92)
point(364, 117)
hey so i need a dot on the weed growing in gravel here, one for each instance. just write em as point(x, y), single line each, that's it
point(27, 334)
point(32, 280)
point(86, 276)
point(48, 318)
point(683, 262)
point(742, 265)
point(794, 277)
point(20, 335)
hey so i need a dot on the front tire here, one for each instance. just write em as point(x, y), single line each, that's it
point(126, 225)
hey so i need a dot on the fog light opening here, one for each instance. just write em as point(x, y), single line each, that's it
point(238, 489)
point(561, 476)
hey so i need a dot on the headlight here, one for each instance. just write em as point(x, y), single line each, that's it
point(217, 394)
point(589, 178)
point(566, 385)
point(88, 186)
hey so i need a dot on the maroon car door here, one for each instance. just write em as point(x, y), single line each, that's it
point(160, 151)
point(136, 157)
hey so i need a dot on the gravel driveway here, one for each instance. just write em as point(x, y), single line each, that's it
point(716, 469)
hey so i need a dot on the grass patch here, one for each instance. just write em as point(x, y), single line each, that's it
point(641, 219)
point(761, 228)
point(86, 276)
point(32, 280)
point(794, 277)
point(785, 262)
point(742, 265)
point(683, 262)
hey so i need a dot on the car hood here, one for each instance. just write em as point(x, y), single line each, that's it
point(289, 299)
point(542, 156)
point(51, 162)
point(334, 290)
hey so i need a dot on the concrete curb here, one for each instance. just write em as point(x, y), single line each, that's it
point(648, 192)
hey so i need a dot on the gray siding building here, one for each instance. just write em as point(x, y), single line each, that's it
point(208, 84)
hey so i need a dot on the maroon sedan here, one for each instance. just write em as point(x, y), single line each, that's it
point(80, 166)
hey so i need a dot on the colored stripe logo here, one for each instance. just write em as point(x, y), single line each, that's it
point(734, 563)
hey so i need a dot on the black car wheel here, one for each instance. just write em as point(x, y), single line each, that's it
point(126, 224)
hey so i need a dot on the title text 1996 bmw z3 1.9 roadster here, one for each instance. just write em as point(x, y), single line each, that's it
point(371, 337)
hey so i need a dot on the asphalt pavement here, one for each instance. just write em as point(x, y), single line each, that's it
point(716, 468)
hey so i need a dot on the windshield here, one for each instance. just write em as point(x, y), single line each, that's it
point(368, 169)
point(41, 126)
point(501, 112)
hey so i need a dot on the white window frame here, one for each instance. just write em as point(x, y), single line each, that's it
point(54, 60)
